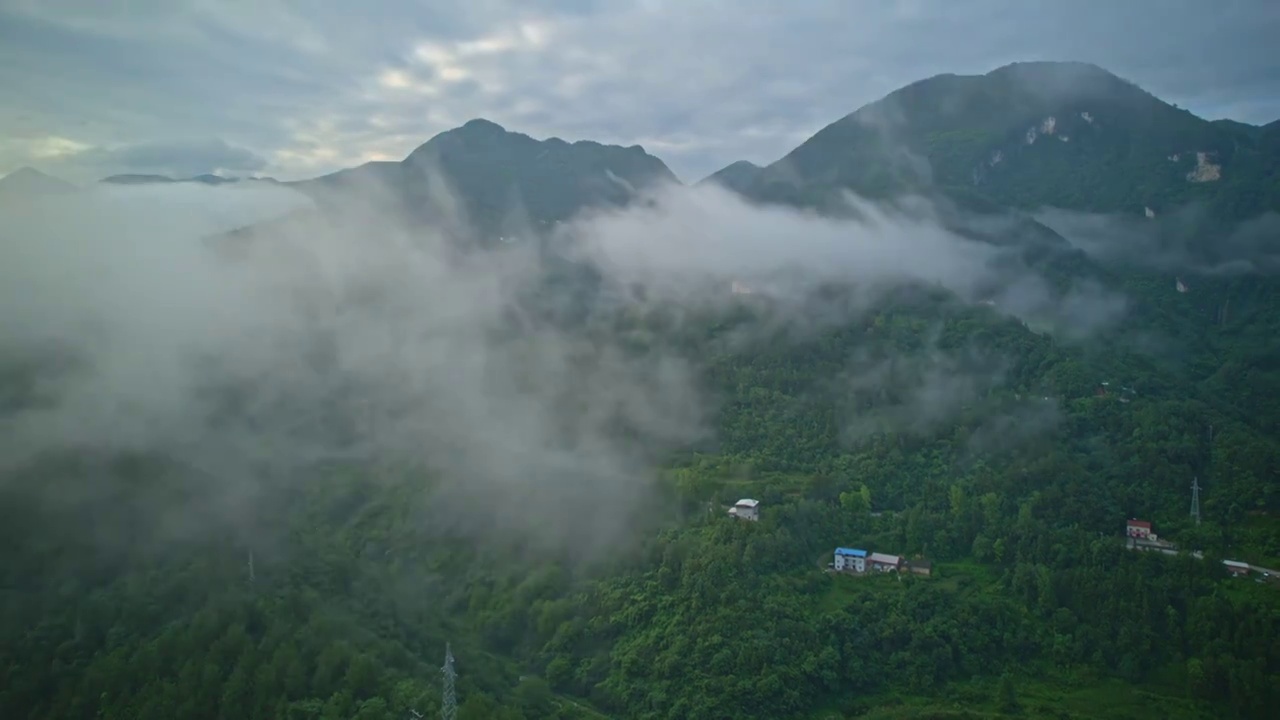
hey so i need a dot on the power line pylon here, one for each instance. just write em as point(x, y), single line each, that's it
point(449, 703)
point(1195, 499)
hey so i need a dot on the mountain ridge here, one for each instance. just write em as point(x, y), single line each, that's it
point(508, 182)
point(27, 180)
point(150, 179)
point(734, 176)
point(1025, 135)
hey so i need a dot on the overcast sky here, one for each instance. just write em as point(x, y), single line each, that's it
point(295, 89)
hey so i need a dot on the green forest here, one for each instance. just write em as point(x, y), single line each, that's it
point(1034, 607)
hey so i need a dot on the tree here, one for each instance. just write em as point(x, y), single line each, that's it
point(1007, 696)
point(534, 697)
point(1196, 681)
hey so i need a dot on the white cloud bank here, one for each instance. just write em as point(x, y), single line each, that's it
point(352, 335)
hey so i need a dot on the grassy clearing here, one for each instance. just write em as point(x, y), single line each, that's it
point(845, 589)
point(787, 484)
point(965, 576)
point(961, 578)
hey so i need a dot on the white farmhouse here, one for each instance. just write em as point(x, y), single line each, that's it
point(746, 509)
point(850, 560)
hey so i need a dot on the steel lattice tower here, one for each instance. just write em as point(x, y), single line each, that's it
point(1195, 499)
point(449, 703)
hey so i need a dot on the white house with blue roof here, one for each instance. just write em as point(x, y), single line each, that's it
point(850, 560)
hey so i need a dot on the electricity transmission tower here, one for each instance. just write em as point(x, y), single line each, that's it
point(449, 704)
point(1195, 499)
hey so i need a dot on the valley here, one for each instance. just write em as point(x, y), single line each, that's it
point(499, 394)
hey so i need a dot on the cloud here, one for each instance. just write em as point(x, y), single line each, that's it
point(1175, 241)
point(178, 159)
point(348, 337)
point(350, 334)
point(313, 88)
point(687, 237)
point(1023, 419)
point(915, 393)
point(1086, 308)
point(686, 241)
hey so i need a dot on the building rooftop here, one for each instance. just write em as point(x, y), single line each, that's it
point(1236, 564)
point(887, 559)
point(1139, 523)
point(851, 552)
point(922, 564)
point(746, 502)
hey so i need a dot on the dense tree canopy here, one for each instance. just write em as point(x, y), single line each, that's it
point(1019, 496)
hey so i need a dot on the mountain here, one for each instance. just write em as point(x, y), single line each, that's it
point(1172, 194)
point(1028, 135)
point(29, 181)
point(136, 179)
point(146, 179)
point(735, 176)
point(211, 179)
point(505, 182)
point(910, 423)
point(1252, 131)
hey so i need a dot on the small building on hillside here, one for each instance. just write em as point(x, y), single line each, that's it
point(1151, 543)
point(920, 567)
point(850, 560)
point(883, 562)
point(1140, 529)
point(1235, 567)
point(746, 509)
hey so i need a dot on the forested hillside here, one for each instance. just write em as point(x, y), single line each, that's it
point(1019, 498)
point(909, 421)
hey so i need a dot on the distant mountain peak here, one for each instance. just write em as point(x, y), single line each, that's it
point(25, 172)
point(1026, 135)
point(1067, 80)
point(482, 125)
point(475, 134)
point(136, 179)
point(507, 182)
point(1059, 68)
point(737, 175)
point(28, 180)
point(148, 179)
point(212, 179)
